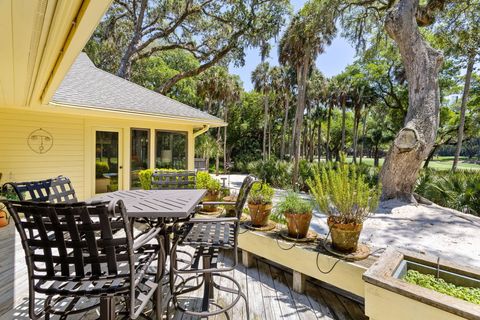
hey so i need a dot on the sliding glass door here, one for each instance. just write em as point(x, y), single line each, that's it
point(171, 150)
point(140, 155)
point(107, 161)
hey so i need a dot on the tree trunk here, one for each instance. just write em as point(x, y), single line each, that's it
point(319, 146)
point(327, 142)
point(430, 156)
point(415, 140)
point(125, 67)
point(265, 125)
point(344, 107)
point(217, 158)
point(225, 140)
point(302, 82)
point(376, 157)
point(310, 145)
point(364, 129)
point(466, 90)
point(356, 122)
point(284, 129)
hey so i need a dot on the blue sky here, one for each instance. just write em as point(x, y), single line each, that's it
point(332, 62)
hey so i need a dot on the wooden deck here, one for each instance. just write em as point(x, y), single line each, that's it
point(267, 287)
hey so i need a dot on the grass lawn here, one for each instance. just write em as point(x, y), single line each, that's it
point(438, 163)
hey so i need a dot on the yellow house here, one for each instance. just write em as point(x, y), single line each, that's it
point(87, 124)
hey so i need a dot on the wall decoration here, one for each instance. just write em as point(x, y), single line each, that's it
point(40, 141)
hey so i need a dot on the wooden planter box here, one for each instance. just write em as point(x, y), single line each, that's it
point(389, 297)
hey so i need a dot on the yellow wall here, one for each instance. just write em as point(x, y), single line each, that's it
point(72, 153)
point(381, 304)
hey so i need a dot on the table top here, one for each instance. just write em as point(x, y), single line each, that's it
point(156, 203)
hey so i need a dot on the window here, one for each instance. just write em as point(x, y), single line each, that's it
point(171, 150)
point(106, 161)
point(140, 155)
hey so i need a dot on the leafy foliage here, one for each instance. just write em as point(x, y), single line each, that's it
point(294, 204)
point(458, 190)
point(261, 193)
point(205, 181)
point(101, 167)
point(343, 193)
point(429, 281)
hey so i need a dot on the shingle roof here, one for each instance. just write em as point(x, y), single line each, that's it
point(87, 86)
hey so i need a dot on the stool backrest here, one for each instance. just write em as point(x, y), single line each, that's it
point(247, 185)
point(173, 180)
point(54, 190)
point(73, 241)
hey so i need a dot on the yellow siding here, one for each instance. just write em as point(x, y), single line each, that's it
point(19, 163)
point(72, 153)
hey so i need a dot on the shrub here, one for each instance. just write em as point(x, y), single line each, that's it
point(293, 203)
point(343, 193)
point(277, 173)
point(458, 190)
point(101, 167)
point(205, 181)
point(261, 193)
point(145, 176)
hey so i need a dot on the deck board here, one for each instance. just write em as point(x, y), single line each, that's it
point(268, 289)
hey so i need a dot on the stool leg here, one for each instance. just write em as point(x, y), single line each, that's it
point(208, 285)
point(107, 308)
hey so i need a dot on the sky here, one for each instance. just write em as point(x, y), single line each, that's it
point(332, 62)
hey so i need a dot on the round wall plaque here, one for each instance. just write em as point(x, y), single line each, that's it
point(40, 141)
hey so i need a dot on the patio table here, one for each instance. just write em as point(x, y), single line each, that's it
point(176, 204)
point(153, 204)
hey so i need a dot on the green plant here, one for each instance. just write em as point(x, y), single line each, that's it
point(277, 173)
point(145, 176)
point(343, 193)
point(205, 181)
point(438, 284)
point(294, 204)
point(101, 167)
point(261, 193)
point(458, 190)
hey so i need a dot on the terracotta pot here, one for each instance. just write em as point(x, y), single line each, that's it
point(259, 214)
point(230, 210)
point(209, 197)
point(3, 218)
point(298, 224)
point(344, 235)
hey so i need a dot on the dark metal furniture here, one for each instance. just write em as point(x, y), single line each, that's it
point(156, 203)
point(169, 180)
point(208, 236)
point(200, 164)
point(54, 190)
point(77, 253)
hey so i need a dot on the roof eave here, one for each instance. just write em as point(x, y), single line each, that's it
point(200, 121)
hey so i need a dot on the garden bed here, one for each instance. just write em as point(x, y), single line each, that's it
point(389, 296)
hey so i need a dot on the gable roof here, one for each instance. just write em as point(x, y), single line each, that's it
point(88, 86)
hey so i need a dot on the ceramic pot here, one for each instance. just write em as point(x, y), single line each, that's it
point(298, 224)
point(3, 218)
point(259, 214)
point(210, 197)
point(344, 235)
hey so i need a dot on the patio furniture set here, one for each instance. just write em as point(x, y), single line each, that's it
point(85, 255)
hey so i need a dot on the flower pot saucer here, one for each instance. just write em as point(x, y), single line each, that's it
point(217, 212)
point(363, 251)
point(311, 236)
point(269, 227)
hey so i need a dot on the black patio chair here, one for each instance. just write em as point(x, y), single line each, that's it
point(162, 179)
point(80, 258)
point(207, 236)
point(54, 190)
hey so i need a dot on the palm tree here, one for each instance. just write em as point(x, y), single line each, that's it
point(307, 35)
point(261, 83)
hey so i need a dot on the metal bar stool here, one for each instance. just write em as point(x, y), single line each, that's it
point(208, 236)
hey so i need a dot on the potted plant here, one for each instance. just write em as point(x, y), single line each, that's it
point(260, 203)
point(346, 197)
point(4, 215)
point(298, 213)
point(205, 181)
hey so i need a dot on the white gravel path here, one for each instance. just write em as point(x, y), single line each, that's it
point(432, 230)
